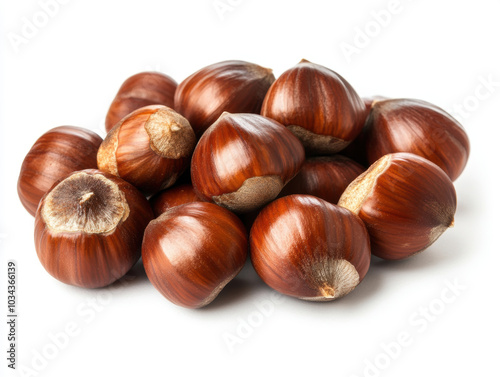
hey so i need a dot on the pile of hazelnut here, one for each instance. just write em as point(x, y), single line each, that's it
point(299, 172)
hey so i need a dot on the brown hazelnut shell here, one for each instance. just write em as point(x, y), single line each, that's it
point(356, 150)
point(243, 161)
point(234, 86)
point(139, 90)
point(324, 177)
point(318, 105)
point(305, 247)
point(55, 154)
point(89, 227)
point(406, 202)
point(150, 148)
point(414, 126)
point(175, 196)
point(192, 251)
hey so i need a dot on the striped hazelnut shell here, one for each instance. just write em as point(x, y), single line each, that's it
point(318, 105)
point(406, 202)
point(234, 86)
point(305, 247)
point(150, 148)
point(243, 161)
point(192, 251)
point(414, 126)
point(57, 153)
point(324, 177)
point(172, 197)
point(89, 227)
point(357, 149)
point(139, 90)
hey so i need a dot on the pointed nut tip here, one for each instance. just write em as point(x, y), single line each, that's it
point(327, 292)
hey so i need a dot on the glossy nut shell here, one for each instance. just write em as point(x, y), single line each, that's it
point(406, 202)
point(192, 251)
point(57, 153)
point(89, 227)
point(305, 247)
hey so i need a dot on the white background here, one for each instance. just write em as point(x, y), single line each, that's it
point(69, 71)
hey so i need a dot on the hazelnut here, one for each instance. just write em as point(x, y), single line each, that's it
point(142, 89)
point(233, 86)
point(173, 197)
point(88, 228)
point(357, 149)
point(414, 126)
point(243, 161)
point(305, 247)
point(406, 202)
point(149, 148)
point(324, 177)
point(318, 105)
point(57, 153)
point(192, 251)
